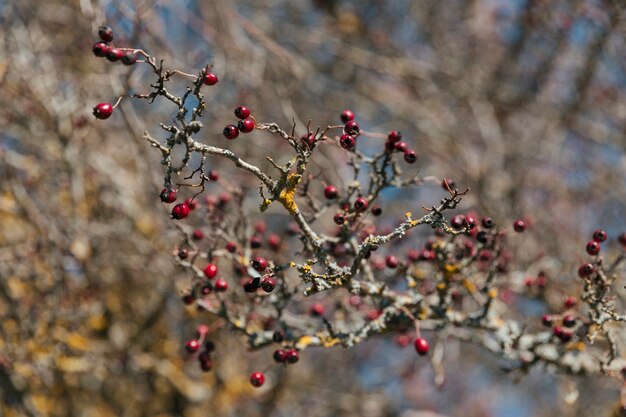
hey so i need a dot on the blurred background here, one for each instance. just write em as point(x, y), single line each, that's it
point(523, 101)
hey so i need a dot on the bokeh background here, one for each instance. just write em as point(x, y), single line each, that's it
point(523, 101)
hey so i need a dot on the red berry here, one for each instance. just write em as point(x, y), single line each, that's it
point(197, 234)
point(390, 147)
point(100, 49)
point(260, 227)
point(105, 33)
point(180, 211)
point(622, 238)
point(394, 136)
point(519, 226)
point(599, 235)
point(242, 112)
point(168, 195)
point(352, 128)
point(317, 309)
point(458, 222)
point(251, 285)
point(257, 379)
point(114, 54)
point(347, 142)
point(487, 222)
point(308, 140)
point(376, 210)
point(188, 299)
point(274, 241)
point(570, 302)
point(360, 204)
point(421, 346)
point(210, 271)
point(246, 126)
point(569, 320)
point(206, 363)
point(268, 284)
point(410, 156)
point(129, 58)
point(547, 320)
point(280, 356)
point(183, 253)
point(391, 261)
point(593, 248)
point(103, 111)
point(586, 270)
point(339, 218)
point(255, 242)
point(221, 285)
point(346, 116)
point(330, 192)
point(230, 132)
point(192, 346)
point(213, 175)
point(403, 340)
point(231, 247)
point(259, 264)
point(292, 356)
point(202, 330)
point(401, 146)
point(210, 79)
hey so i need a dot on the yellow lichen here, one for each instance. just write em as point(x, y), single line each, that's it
point(493, 293)
point(286, 195)
point(469, 286)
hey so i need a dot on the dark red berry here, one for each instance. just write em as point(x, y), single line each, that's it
point(599, 235)
point(458, 222)
point(394, 136)
point(410, 156)
point(547, 320)
point(231, 247)
point(103, 111)
point(346, 116)
point(377, 210)
point(308, 140)
point(268, 284)
point(100, 49)
point(168, 195)
point(192, 346)
point(421, 346)
point(230, 132)
point(259, 264)
point(360, 204)
point(105, 33)
point(206, 363)
point(213, 175)
point(570, 302)
point(339, 218)
point(114, 54)
point(221, 285)
point(347, 142)
point(487, 222)
point(569, 320)
point(257, 379)
point(183, 253)
point(390, 147)
point(210, 271)
point(330, 192)
point(129, 58)
point(586, 270)
point(246, 126)
point(352, 128)
point(255, 242)
point(242, 112)
point(280, 356)
point(622, 238)
point(593, 247)
point(391, 261)
point(292, 356)
point(197, 234)
point(188, 299)
point(180, 211)
point(278, 336)
point(250, 285)
point(317, 309)
point(210, 79)
point(519, 226)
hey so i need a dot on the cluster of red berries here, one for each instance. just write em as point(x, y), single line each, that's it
point(593, 248)
point(395, 143)
point(267, 283)
point(245, 125)
point(193, 346)
point(351, 130)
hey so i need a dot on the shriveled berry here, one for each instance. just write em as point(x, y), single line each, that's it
point(458, 222)
point(268, 284)
point(360, 204)
point(257, 379)
point(391, 261)
point(210, 79)
point(168, 195)
point(280, 356)
point(100, 49)
point(394, 136)
point(330, 192)
point(593, 247)
point(339, 218)
point(221, 285)
point(230, 132)
point(242, 112)
point(519, 226)
point(586, 270)
point(352, 128)
point(103, 111)
point(259, 264)
point(129, 58)
point(292, 356)
point(346, 116)
point(192, 346)
point(410, 157)
point(246, 125)
point(421, 346)
point(105, 33)
point(376, 210)
point(180, 211)
point(210, 271)
point(599, 235)
point(347, 142)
